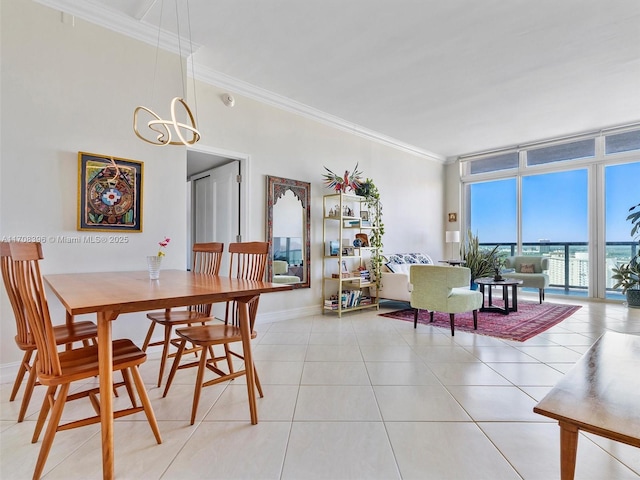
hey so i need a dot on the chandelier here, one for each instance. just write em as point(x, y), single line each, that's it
point(162, 131)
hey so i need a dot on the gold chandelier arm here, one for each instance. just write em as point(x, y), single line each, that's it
point(178, 126)
point(164, 134)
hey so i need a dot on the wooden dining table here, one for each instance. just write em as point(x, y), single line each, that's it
point(109, 294)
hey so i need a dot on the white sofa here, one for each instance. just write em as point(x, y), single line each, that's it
point(395, 275)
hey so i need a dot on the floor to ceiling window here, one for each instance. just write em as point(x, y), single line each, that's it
point(555, 224)
point(493, 211)
point(621, 192)
point(565, 199)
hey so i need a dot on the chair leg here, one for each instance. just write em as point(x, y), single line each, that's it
point(44, 411)
point(26, 398)
point(147, 339)
point(146, 403)
point(24, 366)
point(227, 352)
point(174, 367)
point(431, 316)
point(541, 293)
point(451, 315)
point(415, 318)
point(127, 384)
point(198, 388)
point(257, 381)
point(475, 319)
point(165, 352)
point(52, 428)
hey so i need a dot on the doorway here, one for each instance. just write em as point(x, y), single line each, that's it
point(216, 205)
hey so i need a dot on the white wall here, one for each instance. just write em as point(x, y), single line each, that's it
point(74, 88)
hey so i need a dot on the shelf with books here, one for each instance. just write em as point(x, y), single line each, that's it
point(346, 252)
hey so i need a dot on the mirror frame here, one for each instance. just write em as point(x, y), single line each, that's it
point(276, 188)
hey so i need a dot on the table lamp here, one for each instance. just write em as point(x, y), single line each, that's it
point(452, 236)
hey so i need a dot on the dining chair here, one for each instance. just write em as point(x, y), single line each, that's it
point(248, 261)
point(57, 370)
point(66, 334)
point(206, 259)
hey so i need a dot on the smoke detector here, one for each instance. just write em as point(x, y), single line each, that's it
point(228, 100)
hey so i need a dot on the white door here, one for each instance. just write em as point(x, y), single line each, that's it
point(216, 207)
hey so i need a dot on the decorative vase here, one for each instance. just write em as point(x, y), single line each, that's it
point(497, 277)
point(153, 263)
point(633, 298)
point(473, 286)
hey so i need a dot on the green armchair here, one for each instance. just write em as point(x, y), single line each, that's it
point(531, 270)
point(443, 289)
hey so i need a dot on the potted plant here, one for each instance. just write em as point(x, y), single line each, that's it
point(369, 191)
point(498, 264)
point(627, 275)
point(481, 261)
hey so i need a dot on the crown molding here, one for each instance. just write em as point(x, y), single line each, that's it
point(222, 80)
point(117, 22)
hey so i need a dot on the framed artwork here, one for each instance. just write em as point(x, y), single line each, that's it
point(364, 239)
point(332, 248)
point(344, 267)
point(348, 251)
point(364, 215)
point(109, 193)
point(453, 217)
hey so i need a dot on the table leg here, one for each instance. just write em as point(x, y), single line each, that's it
point(568, 450)
point(105, 361)
point(69, 322)
point(514, 298)
point(245, 330)
point(505, 298)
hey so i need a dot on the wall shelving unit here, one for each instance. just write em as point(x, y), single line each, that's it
point(346, 282)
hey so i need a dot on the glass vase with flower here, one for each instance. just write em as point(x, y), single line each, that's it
point(154, 261)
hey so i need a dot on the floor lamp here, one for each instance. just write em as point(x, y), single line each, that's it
point(452, 236)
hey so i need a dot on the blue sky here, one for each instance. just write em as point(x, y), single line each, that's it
point(554, 206)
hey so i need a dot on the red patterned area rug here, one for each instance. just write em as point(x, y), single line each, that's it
point(531, 319)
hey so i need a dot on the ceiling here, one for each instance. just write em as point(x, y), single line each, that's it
point(440, 78)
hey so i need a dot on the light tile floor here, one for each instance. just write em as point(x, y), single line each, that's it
point(361, 397)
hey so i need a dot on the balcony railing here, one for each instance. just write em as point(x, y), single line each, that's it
point(569, 262)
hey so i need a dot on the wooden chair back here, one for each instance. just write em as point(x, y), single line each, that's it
point(248, 261)
point(207, 258)
point(23, 339)
point(26, 262)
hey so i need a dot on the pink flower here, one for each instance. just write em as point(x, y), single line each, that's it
point(163, 244)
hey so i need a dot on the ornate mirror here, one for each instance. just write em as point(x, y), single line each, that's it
point(288, 231)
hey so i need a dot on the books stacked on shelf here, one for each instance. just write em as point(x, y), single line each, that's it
point(341, 275)
point(351, 298)
point(352, 223)
point(348, 299)
point(365, 276)
point(365, 223)
point(331, 303)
